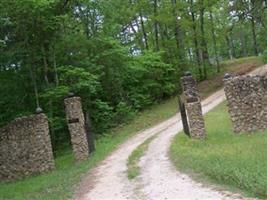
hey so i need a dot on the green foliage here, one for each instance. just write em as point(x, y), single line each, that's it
point(119, 56)
point(264, 56)
point(150, 80)
point(238, 161)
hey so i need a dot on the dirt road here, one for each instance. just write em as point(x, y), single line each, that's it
point(159, 179)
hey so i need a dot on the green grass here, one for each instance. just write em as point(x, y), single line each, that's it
point(242, 60)
point(60, 183)
point(133, 169)
point(238, 162)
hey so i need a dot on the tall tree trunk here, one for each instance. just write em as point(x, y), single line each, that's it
point(243, 44)
point(156, 23)
point(162, 36)
point(190, 54)
point(55, 67)
point(195, 39)
point(253, 29)
point(232, 43)
point(214, 42)
point(229, 48)
point(179, 37)
point(45, 65)
point(204, 47)
point(144, 31)
point(33, 79)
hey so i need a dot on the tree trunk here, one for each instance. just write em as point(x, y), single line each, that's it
point(214, 42)
point(55, 67)
point(179, 38)
point(196, 49)
point(156, 31)
point(253, 29)
point(144, 31)
point(232, 43)
point(45, 66)
point(229, 48)
point(204, 47)
point(243, 44)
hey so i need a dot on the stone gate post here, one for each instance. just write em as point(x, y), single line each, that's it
point(76, 125)
point(193, 106)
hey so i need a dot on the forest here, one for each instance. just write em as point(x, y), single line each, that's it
point(119, 56)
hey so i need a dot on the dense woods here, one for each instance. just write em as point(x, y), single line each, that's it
point(120, 56)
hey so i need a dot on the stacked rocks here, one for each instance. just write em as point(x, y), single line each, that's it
point(193, 107)
point(247, 102)
point(189, 86)
point(76, 125)
point(25, 148)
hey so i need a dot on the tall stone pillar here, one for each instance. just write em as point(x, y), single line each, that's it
point(193, 107)
point(76, 125)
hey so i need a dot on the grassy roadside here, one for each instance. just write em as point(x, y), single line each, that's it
point(133, 160)
point(60, 183)
point(238, 162)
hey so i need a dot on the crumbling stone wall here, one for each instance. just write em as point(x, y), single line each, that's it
point(247, 102)
point(25, 148)
point(193, 107)
point(76, 127)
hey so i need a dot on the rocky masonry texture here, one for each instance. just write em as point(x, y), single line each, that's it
point(193, 107)
point(25, 148)
point(196, 120)
point(189, 86)
point(247, 102)
point(76, 127)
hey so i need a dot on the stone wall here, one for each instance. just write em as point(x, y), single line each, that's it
point(247, 102)
point(193, 107)
point(76, 125)
point(25, 148)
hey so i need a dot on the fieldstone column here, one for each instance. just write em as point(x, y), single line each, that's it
point(196, 119)
point(193, 107)
point(247, 102)
point(25, 148)
point(189, 86)
point(76, 125)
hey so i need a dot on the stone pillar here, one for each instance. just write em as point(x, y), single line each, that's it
point(193, 107)
point(25, 148)
point(189, 86)
point(45, 146)
point(247, 102)
point(196, 119)
point(76, 125)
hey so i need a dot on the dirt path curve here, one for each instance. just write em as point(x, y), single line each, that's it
point(158, 179)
